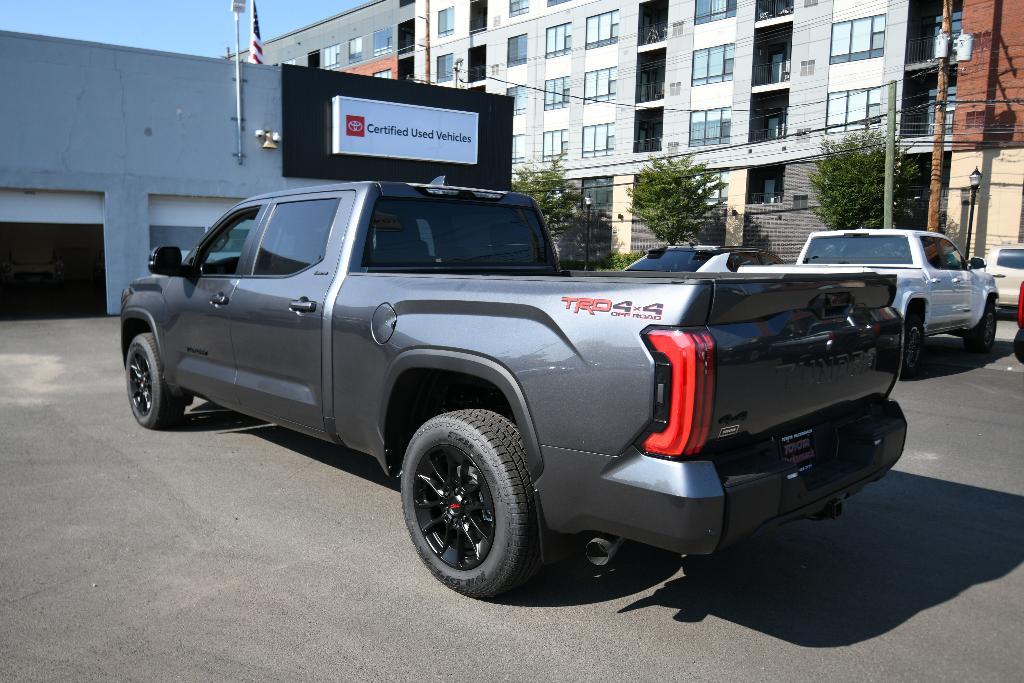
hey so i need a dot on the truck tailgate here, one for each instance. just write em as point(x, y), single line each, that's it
point(794, 351)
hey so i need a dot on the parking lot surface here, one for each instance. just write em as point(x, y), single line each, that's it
point(230, 549)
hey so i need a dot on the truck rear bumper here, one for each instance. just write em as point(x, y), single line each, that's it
point(697, 507)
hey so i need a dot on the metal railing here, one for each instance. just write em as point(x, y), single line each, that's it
point(922, 124)
point(653, 33)
point(764, 198)
point(646, 146)
point(475, 26)
point(769, 9)
point(649, 92)
point(769, 133)
point(920, 50)
point(405, 49)
point(766, 74)
point(476, 73)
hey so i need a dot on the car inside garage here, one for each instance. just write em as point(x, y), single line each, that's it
point(51, 254)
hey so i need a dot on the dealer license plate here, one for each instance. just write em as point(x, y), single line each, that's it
point(799, 449)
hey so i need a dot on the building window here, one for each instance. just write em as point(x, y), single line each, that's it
point(850, 109)
point(799, 201)
point(518, 149)
point(599, 86)
point(600, 192)
point(330, 56)
point(518, 92)
point(446, 22)
point(444, 68)
point(713, 10)
point(382, 41)
point(556, 143)
point(517, 7)
point(386, 73)
point(712, 65)
point(599, 140)
point(722, 196)
point(517, 50)
point(556, 2)
point(711, 127)
point(559, 40)
point(603, 29)
point(858, 39)
point(355, 49)
point(556, 93)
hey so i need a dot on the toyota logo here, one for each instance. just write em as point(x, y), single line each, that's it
point(355, 125)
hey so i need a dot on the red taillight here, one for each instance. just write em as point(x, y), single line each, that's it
point(1020, 307)
point(689, 394)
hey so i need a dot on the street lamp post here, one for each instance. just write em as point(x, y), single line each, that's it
point(975, 182)
point(586, 252)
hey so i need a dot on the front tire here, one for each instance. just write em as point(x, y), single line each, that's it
point(152, 402)
point(913, 345)
point(979, 339)
point(468, 502)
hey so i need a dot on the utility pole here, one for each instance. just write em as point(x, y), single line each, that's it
point(426, 41)
point(939, 134)
point(890, 155)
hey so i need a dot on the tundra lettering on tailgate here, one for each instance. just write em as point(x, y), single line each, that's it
point(829, 369)
point(623, 309)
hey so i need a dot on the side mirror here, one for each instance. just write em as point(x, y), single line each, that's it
point(165, 261)
point(976, 263)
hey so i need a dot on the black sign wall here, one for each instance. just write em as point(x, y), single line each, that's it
point(306, 95)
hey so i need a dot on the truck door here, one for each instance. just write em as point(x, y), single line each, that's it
point(942, 292)
point(197, 340)
point(277, 324)
point(962, 280)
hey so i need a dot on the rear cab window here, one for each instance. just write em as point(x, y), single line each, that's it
point(860, 249)
point(673, 260)
point(439, 234)
point(1011, 258)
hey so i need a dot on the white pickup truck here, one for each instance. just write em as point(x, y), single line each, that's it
point(938, 291)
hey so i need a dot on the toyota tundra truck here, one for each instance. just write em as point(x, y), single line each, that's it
point(528, 411)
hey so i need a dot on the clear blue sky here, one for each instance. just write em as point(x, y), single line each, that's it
point(199, 27)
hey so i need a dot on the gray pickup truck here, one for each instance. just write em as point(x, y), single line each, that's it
point(528, 410)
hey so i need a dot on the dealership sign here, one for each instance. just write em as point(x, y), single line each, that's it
point(403, 131)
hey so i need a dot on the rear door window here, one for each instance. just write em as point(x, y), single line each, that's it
point(296, 237)
point(440, 233)
point(932, 252)
point(1011, 258)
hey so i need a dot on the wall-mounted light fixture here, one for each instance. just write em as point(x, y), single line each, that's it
point(270, 138)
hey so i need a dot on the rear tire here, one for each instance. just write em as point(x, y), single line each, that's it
point(979, 339)
point(468, 503)
point(152, 402)
point(913, 345)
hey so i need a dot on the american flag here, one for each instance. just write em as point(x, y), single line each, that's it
point(255, 43)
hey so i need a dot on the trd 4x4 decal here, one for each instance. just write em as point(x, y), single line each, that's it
point(623, 309)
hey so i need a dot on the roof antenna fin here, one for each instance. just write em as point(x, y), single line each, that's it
point(439, 180)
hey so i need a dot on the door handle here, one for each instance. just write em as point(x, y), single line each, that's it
point(219, 299)
point(933, 280)
point(956, 281)
point(302, 305)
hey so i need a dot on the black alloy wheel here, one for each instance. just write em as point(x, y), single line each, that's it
point(915, 340)
point(140, 382)
point(453, 506)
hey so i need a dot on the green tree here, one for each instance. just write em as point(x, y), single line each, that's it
point(849, 182)
point(671, 196)
point(558, 199)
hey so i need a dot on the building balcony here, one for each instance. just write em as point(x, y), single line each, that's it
point(772, 9)
point(475, 73)
point(650, 92)
point(920, 125)
point(653, 33)
point(769, 74)
point(478, 25)
point(647, 146)
point(769, 133)
point(920, 50)
point(764, 198)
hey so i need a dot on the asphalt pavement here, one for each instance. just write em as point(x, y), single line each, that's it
point(230, 549)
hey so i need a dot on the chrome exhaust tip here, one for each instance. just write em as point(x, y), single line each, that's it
point(601, 550)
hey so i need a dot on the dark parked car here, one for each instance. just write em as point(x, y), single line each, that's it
point(526, 409)
point(689, 259)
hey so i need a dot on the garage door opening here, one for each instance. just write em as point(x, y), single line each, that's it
point(52, 270)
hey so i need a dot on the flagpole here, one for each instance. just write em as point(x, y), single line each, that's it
point(238, 78)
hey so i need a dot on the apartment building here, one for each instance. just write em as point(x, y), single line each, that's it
point(751, 87)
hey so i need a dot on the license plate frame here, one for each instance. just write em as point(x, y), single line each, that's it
point(799, 449)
